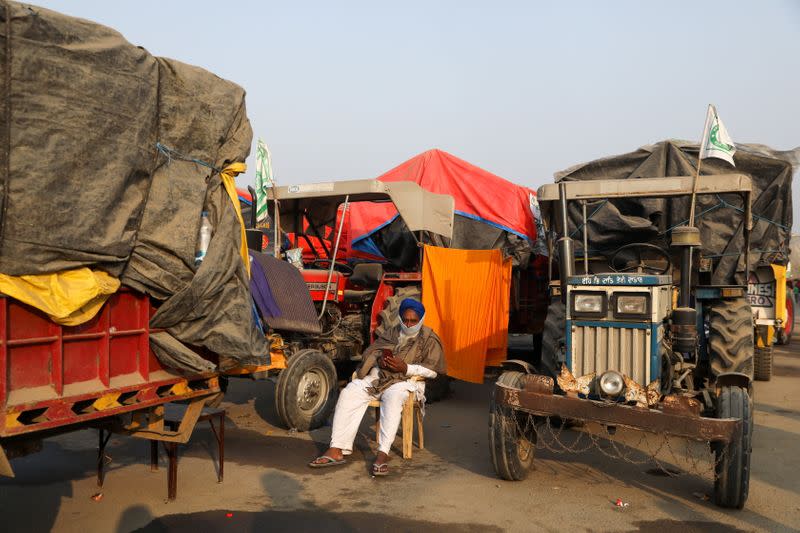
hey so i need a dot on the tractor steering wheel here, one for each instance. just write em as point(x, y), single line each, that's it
point(639, 247)
point(340, 266)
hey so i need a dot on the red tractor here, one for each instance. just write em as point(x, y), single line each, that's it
point(355, 292)
point(351, 299)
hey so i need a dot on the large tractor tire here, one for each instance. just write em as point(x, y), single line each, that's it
point(512, 451)
point(437, 388)
point(784, 334)
point(732, 468)
point(762, 363)
point(730, 340)
point(553, 339)
point(307, 390)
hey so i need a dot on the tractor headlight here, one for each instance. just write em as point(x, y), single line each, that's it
point(589, 303)
point(637, 305)
point(611, 383)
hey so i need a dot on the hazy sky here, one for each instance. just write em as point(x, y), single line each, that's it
point(522, 89)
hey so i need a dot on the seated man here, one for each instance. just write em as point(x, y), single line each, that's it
point(410, 349)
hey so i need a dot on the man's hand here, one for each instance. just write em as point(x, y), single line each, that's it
point(395, 364)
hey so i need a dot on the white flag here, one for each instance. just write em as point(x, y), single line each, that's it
point(716, 142)
point(264, 180)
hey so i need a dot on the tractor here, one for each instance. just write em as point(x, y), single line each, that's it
point(647, 335)
point(351, 301)
point(768, 294)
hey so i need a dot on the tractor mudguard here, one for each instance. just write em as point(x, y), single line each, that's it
point(518, 364)
point(736, 379)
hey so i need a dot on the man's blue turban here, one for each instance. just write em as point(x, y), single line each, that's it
point(410, 303)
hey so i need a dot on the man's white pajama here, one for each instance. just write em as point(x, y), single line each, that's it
point(354, 400)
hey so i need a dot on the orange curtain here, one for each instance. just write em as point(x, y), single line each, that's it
point(466, 299)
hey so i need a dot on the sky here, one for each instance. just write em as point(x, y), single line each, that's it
point(348, 90)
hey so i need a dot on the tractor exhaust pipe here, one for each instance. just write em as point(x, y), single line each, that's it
point(684, 317)
point(566, 248)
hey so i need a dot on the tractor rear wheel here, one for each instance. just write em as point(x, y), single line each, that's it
point(763, 364)
point(730, 339)
point(732, 465)
point(511, 448)
point(553, 339)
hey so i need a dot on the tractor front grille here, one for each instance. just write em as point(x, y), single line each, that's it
point(597, 349)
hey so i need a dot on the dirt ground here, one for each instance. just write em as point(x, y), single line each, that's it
point(450, 486)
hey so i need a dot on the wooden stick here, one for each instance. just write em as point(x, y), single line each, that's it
point(697, 172)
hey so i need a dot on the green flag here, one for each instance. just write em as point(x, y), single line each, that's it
point(264, 180)
point(716, 142)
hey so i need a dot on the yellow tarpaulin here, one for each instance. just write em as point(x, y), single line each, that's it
point(228, 175)
point(69, 298)
point(466, 299)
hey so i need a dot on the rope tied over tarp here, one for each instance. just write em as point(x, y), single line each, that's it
point(171, 154)
point(228, 177)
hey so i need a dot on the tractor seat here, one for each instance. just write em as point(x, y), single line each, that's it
point(367, 276)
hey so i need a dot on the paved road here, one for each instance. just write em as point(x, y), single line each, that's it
point(450, 486)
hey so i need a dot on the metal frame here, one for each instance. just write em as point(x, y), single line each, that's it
point(420, 209)
point(680, 422)
point(605, 189)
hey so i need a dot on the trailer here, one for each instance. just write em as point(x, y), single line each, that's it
point(102, 374)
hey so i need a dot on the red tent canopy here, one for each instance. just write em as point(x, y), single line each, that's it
point(478, 194)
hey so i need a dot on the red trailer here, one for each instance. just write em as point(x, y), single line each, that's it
point(55, 379)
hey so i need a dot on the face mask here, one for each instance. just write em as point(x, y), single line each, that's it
point(413, 330)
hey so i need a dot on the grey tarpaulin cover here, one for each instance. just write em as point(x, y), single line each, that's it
point(719, 219)
point(83, 184)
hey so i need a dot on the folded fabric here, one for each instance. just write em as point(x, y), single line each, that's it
point(69, 298)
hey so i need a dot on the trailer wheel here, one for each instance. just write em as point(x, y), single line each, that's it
point(307, 390)
point(784, 334)
point(553, 338)
point(730, 340)
point(763, 363)
point(732, 468)
point(512, 451)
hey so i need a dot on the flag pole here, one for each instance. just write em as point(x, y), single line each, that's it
point(697, 171)
point(276, 220)
point(266, 180)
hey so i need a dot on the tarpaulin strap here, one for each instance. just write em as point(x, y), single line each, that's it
point(755, 215)
point(228, 175)
point(599, 207)
point(171, 154)
point(723, 203)
point(698, 215)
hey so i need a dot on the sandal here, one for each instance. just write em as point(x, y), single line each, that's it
point(328, 461)
point(380, 470)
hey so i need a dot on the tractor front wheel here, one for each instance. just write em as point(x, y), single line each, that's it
point(732, 468)
point(306, 392)
point(512, 447)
